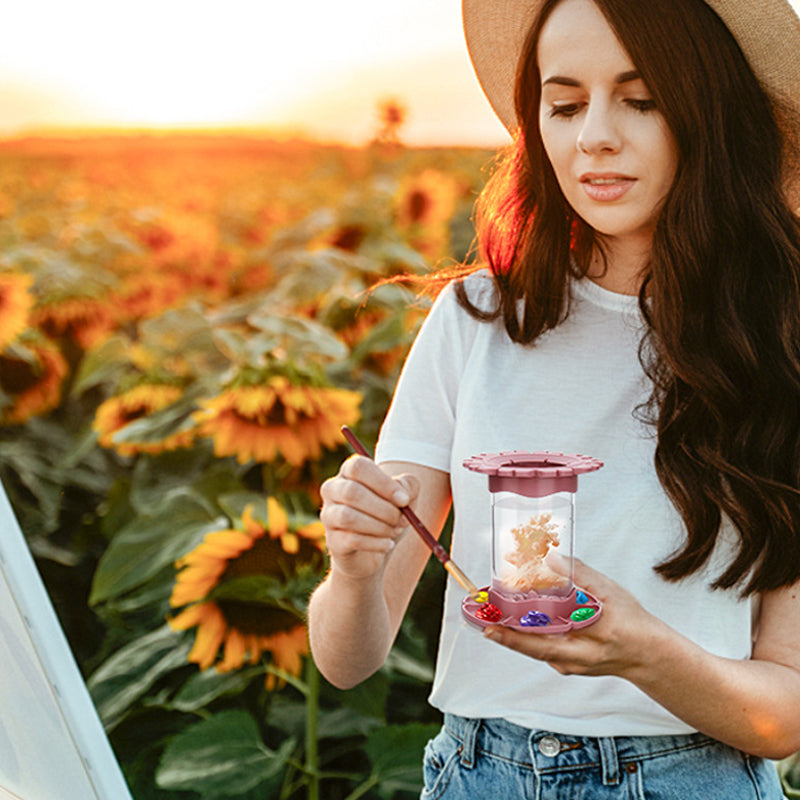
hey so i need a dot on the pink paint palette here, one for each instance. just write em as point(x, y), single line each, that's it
point(535, 614)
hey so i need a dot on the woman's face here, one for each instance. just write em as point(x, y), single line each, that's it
point(612, 153)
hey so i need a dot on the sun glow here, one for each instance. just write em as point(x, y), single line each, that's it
point(319, 68)
point(247, 63)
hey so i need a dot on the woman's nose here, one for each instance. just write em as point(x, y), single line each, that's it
point(599, 133)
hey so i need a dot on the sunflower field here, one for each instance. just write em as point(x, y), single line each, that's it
point(185, 323)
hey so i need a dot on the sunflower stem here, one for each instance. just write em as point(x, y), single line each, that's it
point(312, 723)
point(267, 480)
point(288, 678)
point(361, 790)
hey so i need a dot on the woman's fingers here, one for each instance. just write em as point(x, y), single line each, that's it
point(367, 473)
point(361, 513)
point(362, 499)
point(347, 543)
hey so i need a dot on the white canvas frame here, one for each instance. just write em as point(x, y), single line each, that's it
point(52, 743)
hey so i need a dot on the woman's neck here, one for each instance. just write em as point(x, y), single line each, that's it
point(620, 266)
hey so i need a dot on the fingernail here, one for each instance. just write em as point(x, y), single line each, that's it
point(490, 633)
point(401, 498)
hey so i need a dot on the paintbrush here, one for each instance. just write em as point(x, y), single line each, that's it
point(426, 536)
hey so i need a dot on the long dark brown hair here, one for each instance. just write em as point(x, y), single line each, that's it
point(720, 297)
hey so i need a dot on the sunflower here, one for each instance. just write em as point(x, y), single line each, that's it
point(86, 320)
point(241, 630)
point(425, 204)
point(114, 414)
point(258, 422)
point(143, 295)
point(427, 199)
point(16, 302)
point(31, 378)
point(178, 238)
point(391, 116)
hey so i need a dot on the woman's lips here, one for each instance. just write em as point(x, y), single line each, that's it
point(605, 188)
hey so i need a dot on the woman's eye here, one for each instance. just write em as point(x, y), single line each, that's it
point(565, 110)
point(642, 105)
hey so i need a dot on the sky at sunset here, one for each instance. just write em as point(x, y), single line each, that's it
point(317, 67)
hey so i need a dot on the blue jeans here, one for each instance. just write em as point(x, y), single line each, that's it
point(474, 759)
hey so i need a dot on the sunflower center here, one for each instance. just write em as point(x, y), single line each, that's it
point(127, 416)
point(418, 205)
point(17, 375)
point(265, 557)
point(276, 416)
point(349, 237)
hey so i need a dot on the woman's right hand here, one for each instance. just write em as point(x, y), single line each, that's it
point(362, 517)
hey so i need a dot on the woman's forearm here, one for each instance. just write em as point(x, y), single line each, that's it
point(349, 628)
point(753, 705)
point(376, 562)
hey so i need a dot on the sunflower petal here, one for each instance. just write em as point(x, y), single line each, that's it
point(235, 648)
point(278, 519)
point(209, 638)
point(189, 617)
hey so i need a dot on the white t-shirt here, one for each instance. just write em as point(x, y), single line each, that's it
point(466, 389)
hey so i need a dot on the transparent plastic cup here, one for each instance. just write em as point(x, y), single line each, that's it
point(533, 540)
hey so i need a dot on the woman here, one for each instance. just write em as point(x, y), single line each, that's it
point(641, 305)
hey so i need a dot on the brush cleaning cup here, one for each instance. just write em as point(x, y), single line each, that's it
point(533, 542)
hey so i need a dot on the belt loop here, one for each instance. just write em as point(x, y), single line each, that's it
point(470, 731)
point(609, 761)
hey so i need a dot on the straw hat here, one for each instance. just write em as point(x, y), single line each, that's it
point(768, 31)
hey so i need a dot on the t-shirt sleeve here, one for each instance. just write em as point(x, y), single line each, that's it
point(421, 419)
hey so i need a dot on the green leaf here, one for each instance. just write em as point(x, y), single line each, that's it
point(220, 756)
point(206, 686)
point(155, 427)
point(150, 542)
point(384, 337)
point(246, 348)
point(158, 479)
point(395, 752)
point(46, 458)
point(234, 504)
point(105, 364)
point(59, 277)
point(299, 336)
point(308, 275)
point(29, 466)
point(149, 600)
point(789, 771)
point(400, 255)
point(179, 330)
point(302, 232)
point(267, 590)
point(130, 673)
point(339, 723)
point(369, 697)
point(418, 668)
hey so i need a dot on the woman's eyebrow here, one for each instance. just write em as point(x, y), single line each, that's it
point(623, 77)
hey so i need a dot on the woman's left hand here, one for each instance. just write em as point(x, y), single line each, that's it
point(615, 645)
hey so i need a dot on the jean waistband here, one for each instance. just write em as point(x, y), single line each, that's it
point(544, 751)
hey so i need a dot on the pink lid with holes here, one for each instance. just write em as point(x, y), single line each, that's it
point(532, 474)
